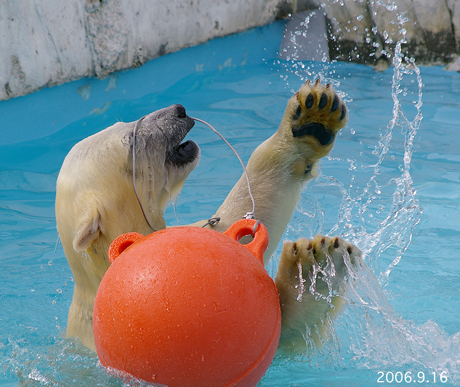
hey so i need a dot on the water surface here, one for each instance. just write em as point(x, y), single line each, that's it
point(391, 185)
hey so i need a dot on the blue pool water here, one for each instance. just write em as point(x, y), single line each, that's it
point(391, 186)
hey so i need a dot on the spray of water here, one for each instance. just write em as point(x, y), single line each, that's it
point(369, 334)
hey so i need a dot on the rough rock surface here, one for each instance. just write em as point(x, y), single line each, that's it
point(44, 43)
point(367, 30)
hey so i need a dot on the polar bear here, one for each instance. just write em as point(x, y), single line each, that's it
point(96, 202)
point(98, 199)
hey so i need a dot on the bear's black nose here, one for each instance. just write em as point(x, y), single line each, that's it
point(180, 111)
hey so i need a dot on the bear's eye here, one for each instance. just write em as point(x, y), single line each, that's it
point(297, 113)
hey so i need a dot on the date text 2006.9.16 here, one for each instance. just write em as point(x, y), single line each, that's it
point(411, 377)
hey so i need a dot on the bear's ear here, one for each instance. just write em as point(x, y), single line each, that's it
point(88, 232)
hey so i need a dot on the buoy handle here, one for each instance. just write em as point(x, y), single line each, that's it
point(245, 227)
point(121, 243)
point(236, 231)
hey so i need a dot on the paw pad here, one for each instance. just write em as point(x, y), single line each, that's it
point(319, 112)
point(335, 104)
point(322, 101)
point(297, 113)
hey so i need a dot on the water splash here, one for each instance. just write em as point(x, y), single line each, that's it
point(305, 43)
point(405, 212)
point(379, 218)
point(58, 362)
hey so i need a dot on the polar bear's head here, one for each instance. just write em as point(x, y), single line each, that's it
point(95, 193)
point(159, 151)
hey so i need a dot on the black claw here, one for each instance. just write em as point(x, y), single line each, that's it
point(336, 243)
point(294, 249)
point(344, 112)
point(322, 101)
point(309, 101)
point(350, 250)
point(335, 104)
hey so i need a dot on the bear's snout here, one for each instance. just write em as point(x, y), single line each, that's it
point(180, 111)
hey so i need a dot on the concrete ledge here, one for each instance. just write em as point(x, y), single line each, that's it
point(45, 43)
point(366, 31)
point(305, 37)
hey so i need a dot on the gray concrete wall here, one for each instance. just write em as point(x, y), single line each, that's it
point(365, 30)
point(48, 42)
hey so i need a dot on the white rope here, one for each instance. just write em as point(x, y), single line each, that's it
point(134, 173)
point(211, 221)
point(249, 215)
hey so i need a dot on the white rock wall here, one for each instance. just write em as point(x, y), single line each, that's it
point(361, 30)
point(48, 42)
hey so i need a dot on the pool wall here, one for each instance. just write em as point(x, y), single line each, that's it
point(45, 43)
point(360, 30)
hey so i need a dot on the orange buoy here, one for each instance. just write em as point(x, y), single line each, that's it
point(188, 306)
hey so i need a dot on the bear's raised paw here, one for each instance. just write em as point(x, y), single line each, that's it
point(313, 117)
point(320, 112)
